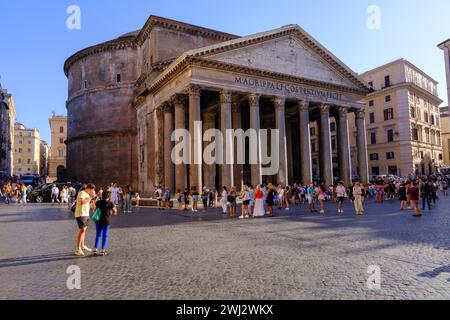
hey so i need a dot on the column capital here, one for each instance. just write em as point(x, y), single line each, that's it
point(194, 90)
point(279, 102)
point(324, 109)
point(167, 107)
point(343, 112)
point(253, 100)
point(179, 99)
point(225, 96)
point(360, 114)
point(303, 105)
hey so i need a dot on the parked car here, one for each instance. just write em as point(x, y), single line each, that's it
point(29, 180)
point(43, 193)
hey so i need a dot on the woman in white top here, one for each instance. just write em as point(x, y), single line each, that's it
point(224, 200)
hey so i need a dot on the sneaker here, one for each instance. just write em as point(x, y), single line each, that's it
point(87, 249)
point(241, 217)
point(79, 253)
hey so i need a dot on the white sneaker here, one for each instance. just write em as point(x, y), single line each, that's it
point(241, 217)
point(87, 249)
point(287, 209)
point(321, 211)
point(79, 253)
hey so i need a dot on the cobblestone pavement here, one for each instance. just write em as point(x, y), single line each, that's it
point(177, 255)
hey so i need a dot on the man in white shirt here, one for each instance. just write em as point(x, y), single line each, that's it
point(83, 206)
point(55, 194)
point(341, 194)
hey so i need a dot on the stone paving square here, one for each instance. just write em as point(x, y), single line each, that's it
point(179, 255)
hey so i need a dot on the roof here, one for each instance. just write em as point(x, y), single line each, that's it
point(401, 60)
point(444, 44)
point(263, 36)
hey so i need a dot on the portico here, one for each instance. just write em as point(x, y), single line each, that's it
point(281, 79)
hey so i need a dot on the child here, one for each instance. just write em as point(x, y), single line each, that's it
point(137, 198)
point(107, 209)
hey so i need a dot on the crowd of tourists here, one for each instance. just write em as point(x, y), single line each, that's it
point(417, 194)
point(14, 192)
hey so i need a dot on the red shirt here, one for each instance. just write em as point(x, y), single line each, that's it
point(413, 193)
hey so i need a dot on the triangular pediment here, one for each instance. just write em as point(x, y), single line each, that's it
point(285, 55)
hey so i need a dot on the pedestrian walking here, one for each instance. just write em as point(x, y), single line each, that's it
point(107, 208)
point(358, 201)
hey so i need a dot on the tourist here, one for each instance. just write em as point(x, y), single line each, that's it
point(72, 193)
point(402, 192)
point(287, 196)
point(321, 196)
point(84, 199)
point(64, 195)
point(127, 192)
point(137, 198)
point(211, 196)
point(23, 192)
point(167, 198)
point(259, 203)
point(444, 187)
point(251, 195)
point(232, 200)
point(425, 194)
point(107, 208)
point(179, 197)
point(245, 203)
point(55, 194)
point(311, 198)
point(205, 197)
point(224, 200)
point(114, 193)
point(270, 199)
point(159, 198)
point(413, 192)
point(186, 196)
point(358, 195)
point(341, 194)
point(195, 198)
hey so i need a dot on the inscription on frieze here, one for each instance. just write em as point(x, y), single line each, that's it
point(287, 88)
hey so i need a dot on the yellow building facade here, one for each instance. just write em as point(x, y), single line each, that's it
point(58, 150)
point(27, 151)
point(403, 121)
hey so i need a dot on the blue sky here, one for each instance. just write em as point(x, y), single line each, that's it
point(35, 41)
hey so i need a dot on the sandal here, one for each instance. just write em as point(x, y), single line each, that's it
point(104, 253)
point(95, 253)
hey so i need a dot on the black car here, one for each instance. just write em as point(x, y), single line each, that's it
point(29, 181)
point(43, 193)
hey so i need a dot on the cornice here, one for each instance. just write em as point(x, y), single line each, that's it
point(154, 21)
point(86, 92)
point(107, 133)
point(116, 44)
point(407, 85)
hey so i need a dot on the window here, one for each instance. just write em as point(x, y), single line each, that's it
point(371, 103)
point(313, 132)
point(20, 150)
point(415, 134)
point(20, 169)
point(61, 129)
point(20, 141)
point(432, 120)
point(372, 117)
point(61, 140)
point(118, 78)
point(333, 127)
point(28, 150)
point(422, 155)
point(374, 157)
point(441, 157)
point(28, 161)
point(388, 114)
point(387, 98)
point(371, 84)
point(313, 147)
point(425, 116)
point(333, 144)
point(390, 155)
point(19, 161)
point(390, 136)
point(373, 138)
point(61, 153)
point(29, 142)
point(413, 112)
point(376, 171)
point(387, 81)
point(85, 84)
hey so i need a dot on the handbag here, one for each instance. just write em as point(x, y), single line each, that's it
point(96, 217)
point(73, 207)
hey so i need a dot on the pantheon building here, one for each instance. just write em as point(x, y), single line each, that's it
point(128, 95)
